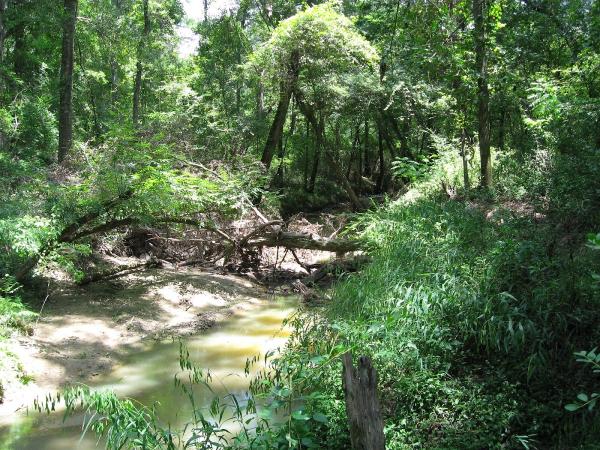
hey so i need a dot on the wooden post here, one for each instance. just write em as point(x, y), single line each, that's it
point(362, 405)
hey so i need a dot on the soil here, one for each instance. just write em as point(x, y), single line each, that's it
point(84, 331)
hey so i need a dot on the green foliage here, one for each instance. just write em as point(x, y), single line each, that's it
point(14, 315)
point(467, 315)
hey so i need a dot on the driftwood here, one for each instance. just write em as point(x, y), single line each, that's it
point(291, 239)
point(362, 405)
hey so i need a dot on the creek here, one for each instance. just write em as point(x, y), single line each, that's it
point(147, 375)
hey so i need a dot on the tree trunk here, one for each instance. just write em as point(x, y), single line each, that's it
point(285, 95)
point(277, 127)
point(317, 155)
point(306, 161)
point(360, 161)
point(283, 144)
point(65, 112)
point(362, 405)
point(483, 96)
point(367, 164)
point(139, 71)
point(463, 154)
point(381, 174)
point(2, 32)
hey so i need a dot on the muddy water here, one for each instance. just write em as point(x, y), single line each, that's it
point(147, 376)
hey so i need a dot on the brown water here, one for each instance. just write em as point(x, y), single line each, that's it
point(147, 376)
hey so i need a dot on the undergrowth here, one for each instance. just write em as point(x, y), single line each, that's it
point(471, 310)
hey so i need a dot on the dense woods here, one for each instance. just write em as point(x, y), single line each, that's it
point(457, 140)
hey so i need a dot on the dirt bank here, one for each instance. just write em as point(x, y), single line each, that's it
point(85, 331)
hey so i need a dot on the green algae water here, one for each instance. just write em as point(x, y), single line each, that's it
point(148, 377)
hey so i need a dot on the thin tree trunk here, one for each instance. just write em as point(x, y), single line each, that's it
point(306, 162)
point(139, 71)
point(65, 112)
point(205, 11)
point(276, 129)
point(3, 4)
point(483, 96)
point(367, 164)
point(381, 174)
point(283, 144)
point(463, 154)
point(317, 155)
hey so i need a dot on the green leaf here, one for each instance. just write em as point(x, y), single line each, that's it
point(583, 397)
point(572, 407)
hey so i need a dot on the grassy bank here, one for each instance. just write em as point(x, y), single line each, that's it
point(471, 309)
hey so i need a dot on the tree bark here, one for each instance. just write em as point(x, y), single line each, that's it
point(65, 112)
point(291, 239)
point(483, 95)
point(362, 405)
point(283, 144)
point(317, 155)
point(139, 71)
point(285, 95)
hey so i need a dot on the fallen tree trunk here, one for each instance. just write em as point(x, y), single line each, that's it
point(291, 239)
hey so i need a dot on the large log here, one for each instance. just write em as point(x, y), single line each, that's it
point(292, 239)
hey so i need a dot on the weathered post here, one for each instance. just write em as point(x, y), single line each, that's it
point(362, 405)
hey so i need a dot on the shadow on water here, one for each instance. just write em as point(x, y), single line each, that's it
point(147, 375)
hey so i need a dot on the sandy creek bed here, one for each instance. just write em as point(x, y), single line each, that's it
point(123, 335)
